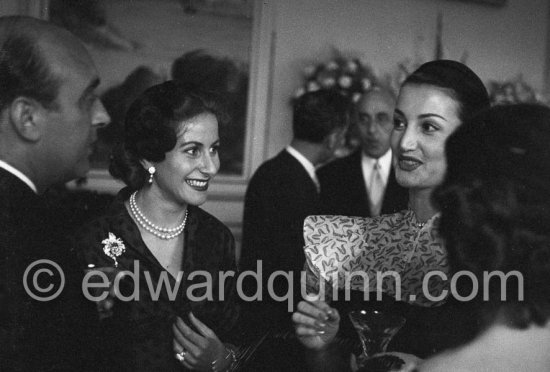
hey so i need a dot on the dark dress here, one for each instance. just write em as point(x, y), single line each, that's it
point(343, 190)
point(138, 337)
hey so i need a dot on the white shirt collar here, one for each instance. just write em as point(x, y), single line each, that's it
point(308, 166)
point(19, 175)
point(384, 161)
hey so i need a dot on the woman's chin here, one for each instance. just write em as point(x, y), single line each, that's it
point(405, 179)
point(195, 200)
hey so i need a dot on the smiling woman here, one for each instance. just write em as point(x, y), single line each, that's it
point(433, 102)
point(425, 117)
point(168, 159)
point(183, 176)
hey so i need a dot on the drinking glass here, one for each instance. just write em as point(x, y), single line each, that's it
point(375, 329)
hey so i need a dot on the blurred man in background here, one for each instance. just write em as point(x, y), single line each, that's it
point(284, 191)
point(363, 183)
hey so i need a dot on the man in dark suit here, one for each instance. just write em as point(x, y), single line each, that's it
point(49, 114)
point(284, 191)
point(363, 183)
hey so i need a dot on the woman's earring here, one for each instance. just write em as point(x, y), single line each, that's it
point(151, 171)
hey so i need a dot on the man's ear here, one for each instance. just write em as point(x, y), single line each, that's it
point(26, 117)
point(335, 139)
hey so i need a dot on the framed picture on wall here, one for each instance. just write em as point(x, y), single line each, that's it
point(138, 43)
point(485, 2)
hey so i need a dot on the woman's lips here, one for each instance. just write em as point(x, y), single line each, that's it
point(199, 185)
point(408, 163)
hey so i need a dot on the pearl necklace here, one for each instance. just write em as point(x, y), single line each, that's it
point(161, 232)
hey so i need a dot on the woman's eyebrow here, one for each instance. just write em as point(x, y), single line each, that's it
point(424, 116)
point(196, 143)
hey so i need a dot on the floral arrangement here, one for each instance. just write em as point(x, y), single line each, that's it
point(513, 91)
point(349, 76)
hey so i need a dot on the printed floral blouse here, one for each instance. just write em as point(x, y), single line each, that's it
point(367, 254)
point(138, 336)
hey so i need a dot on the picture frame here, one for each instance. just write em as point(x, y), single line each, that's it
point(252, 50)
point(495, 3)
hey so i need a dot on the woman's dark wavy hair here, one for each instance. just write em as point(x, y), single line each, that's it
point(458, 80)
point(495, 205)
point(150, 127)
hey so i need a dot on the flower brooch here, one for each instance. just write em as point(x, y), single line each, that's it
point(113, 247)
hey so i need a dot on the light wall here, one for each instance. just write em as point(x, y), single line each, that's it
point(500, 41)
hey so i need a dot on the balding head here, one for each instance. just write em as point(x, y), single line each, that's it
point(375, 121)
point(47, 100)
point(23, 70)
point(26, 44)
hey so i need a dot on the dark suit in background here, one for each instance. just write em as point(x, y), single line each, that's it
point(18, 221)
point(31, 331)
point(280, 195)
point(343, 189)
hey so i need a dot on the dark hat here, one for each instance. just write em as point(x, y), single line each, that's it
point(466, 86)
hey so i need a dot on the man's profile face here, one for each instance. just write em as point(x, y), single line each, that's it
point(73, 121)
point(375, 123)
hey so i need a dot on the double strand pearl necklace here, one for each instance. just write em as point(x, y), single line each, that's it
point(160, 232)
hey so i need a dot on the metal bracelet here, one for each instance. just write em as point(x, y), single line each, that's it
point(230, 354)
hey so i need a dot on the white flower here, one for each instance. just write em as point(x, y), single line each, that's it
point(364, 61)
point(356, 97)
point(309, 71)
point(332, 65)
point(113, 247)
point(312, 86)
point(351, 67)
point(299, 92)
point(344, 81)
point(366, 83)
point(328, 82)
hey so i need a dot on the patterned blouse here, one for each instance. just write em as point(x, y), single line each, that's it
point(370, 253)
point(138, 337)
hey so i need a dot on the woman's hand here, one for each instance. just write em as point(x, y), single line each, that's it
point(199, 349)
point(316, 324)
